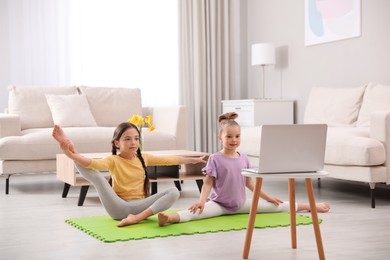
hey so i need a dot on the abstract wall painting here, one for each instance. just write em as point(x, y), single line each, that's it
point(331, 20)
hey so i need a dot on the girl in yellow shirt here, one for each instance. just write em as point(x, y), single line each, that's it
point(128, 199)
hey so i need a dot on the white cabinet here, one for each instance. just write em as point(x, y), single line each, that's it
point(255, 112)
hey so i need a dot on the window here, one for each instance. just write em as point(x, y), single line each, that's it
point(126, 43)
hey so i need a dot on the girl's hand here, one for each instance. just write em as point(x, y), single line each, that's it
point(197, 206)
point(273, 200)
point(67, 148)
point(192, 160)
point(202, 159)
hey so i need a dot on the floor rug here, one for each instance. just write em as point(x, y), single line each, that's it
point(104, 228)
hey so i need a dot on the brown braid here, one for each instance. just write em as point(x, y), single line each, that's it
point(146, 182)
point(121, 128)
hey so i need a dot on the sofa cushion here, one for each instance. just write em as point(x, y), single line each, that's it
point(111, 106)
point(9, 125)
point(31, 105)
point(70, 110)
point(333, 106)
point(353, 146)
point(38, 144)
point(376, 98)
point(158, 140)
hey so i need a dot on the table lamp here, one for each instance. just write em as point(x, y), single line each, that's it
point(263, 54)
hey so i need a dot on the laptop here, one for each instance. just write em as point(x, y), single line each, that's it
point(291, 148)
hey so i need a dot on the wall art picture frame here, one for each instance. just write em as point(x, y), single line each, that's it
point(331, 20)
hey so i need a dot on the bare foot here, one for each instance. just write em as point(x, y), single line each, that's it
point(162, 219)
point(322, 207)
point(59, 135)
point(129, 220)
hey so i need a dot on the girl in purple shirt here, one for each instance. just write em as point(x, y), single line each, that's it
point(227, 185)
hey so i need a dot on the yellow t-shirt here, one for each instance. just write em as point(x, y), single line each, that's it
point(128, 175)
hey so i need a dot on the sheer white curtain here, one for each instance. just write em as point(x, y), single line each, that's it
point(33, 44)
point(115, 43)
point(127, 43)
point(209, 64)
point(36, 34)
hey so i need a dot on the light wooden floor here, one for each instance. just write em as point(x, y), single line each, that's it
point(32, 226)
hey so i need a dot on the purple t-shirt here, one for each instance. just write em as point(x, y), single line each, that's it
point(229, 183)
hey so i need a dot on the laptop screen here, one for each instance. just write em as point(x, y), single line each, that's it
point(292, 148)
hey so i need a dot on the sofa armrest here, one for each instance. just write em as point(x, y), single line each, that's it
point(380, 126)
point(172, 120)
point(380, 130)
point(9, 125)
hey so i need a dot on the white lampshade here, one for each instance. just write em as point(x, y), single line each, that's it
point(263, 54)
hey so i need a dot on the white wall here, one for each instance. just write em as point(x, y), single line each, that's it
point(346, 63)
point(4, 51)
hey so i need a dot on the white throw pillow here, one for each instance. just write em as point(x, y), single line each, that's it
point(333, 106)
point(376, 98)
point(30, 104)
point(112, 106)
point(70, 110)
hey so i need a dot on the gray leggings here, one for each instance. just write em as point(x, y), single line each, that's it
point(118, 208)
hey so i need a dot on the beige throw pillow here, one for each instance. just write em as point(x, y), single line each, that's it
point(376, 98)
point(29, 102)
point(70, 110)
point(333, 106)
point(112, 106)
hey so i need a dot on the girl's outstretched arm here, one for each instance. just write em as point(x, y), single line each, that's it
point(67, 149)
point(250, 184)
point(192, 160)
point(206, 188)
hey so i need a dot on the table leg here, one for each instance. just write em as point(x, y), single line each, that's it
point(83, 194)
point(293, 222)
point(314, 216)
point(153, 187)
point(7, 183)
point(252, 217)
point(65, 190)
point(199, 183)
point(177, 184)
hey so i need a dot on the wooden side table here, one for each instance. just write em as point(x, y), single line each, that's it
point(291, 188)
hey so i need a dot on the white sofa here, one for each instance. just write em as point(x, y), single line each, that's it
point(88, 115)
point(358, 139)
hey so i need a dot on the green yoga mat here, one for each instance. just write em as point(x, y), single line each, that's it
point(104, 228)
